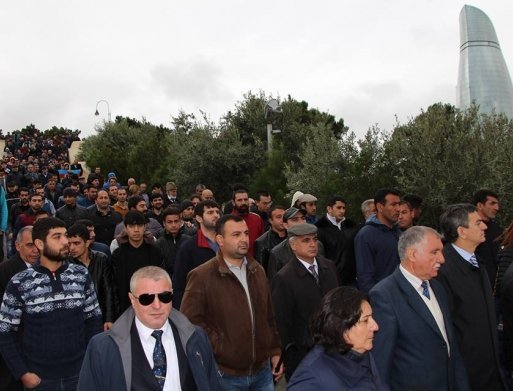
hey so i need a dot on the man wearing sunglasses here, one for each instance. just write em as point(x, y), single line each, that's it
point(150, 347)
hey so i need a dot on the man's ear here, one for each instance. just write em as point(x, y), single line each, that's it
point(40, 245)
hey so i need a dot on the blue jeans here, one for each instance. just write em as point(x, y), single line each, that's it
point(63, 384)
point(260, 381)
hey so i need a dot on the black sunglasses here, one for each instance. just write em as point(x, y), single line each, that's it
point(148, 298)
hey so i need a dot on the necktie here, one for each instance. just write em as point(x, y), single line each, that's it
point(159, 359)
point(473, 261)
point(425, 289)
point(314, 273)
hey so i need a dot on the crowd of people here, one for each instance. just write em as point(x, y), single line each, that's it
point(121, 286)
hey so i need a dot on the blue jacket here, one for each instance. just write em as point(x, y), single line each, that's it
point(409, 348)
point(375, 252)
point(320, 371)
point(107, 363)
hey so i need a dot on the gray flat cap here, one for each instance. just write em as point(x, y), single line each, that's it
point(302, 229)
point(306, 198)
point(291, 212)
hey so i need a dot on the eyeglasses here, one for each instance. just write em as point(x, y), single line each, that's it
point(148, 298)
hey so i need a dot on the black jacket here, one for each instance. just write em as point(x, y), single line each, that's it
point(339, 247)
point(104, 225)
point(169, 246)
point(70, 214)
point(101, 273)
point(296, 296)
point(264, 244)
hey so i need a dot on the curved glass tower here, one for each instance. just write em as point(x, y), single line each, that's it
point(483, 76)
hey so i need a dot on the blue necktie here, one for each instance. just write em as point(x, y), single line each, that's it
point(159, 359)
point(425, 289)
point(473, 261)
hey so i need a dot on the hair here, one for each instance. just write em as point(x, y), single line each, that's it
point(79, 230)
point(276, 207)
point(170, 211)
point(156, 185)
point(133, 189)
point(35, 195)
point(134, 200)
point(200, 186)
point(193, 196)
point(480, 196)
point(155, 195)
point(366, 204)
point(413, 200)
point(262, 193)
point(223, 220)
point(19, 237)
point(86, 222)
point(103, 190)
point(154, 273)
point(412, 237)
point(42, 212)
point(23, 189)
point(340, 309)
point(200, 208)
point(404, 202)
point(455, 216)
point(238, 191)
point(380, 196)
point(43, 226)
point(334, 199)
point(134, 217)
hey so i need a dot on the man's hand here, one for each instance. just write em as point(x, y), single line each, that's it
point(277, 370)
point(107, 326)
point(30, 380)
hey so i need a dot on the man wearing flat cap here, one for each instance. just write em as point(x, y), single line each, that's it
point(297, 290)
point(70, 212)
point(282, 254)
point(308, 202)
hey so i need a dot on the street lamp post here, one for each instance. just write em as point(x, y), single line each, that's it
point(108, 108)
point(272, 106)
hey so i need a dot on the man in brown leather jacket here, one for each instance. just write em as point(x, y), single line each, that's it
point(229, 297)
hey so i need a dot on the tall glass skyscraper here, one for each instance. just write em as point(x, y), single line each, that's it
point(483, 75)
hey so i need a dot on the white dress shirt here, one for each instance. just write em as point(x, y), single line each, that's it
point(172, 382)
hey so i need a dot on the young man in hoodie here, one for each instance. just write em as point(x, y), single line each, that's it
point(376, 243)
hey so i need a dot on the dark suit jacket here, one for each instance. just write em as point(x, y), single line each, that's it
point(296, 296)
point(473, 313)
point(8, 269)
point(409, 349)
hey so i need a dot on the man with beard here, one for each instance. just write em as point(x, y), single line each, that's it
point(198, 249)
point(20, 207)
point(90, 194)
point(29, 216)
point(157, 207)
point(187, 212)
point(55, 304)
point(254, 221)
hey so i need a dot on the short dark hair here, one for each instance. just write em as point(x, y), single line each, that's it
point(276, 207)
point(380, 196)
point(79, 230)
point(334, 199)
point(200, 208)
point(156, 195)
point(43, 226)
point(262, 193)
point(32, 195)
point(239, 191)
point(455, 216)
point(23, 189)
point(481, 196)
point(134, 200)
point(413, 200)
point(223, 220)
point(134, 217)
point(170, 211)
point(340, 310)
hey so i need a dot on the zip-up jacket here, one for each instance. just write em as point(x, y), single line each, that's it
point(243, 336)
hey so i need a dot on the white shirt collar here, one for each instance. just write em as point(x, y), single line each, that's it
point(145, 332)
point(333, 221)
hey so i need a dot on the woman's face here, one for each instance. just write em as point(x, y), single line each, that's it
point(362, 333)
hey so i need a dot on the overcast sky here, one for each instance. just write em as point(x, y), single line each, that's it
point(364, 61)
